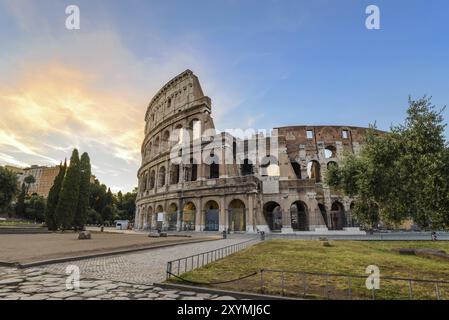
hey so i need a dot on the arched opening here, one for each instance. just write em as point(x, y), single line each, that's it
point(161, 179)
point(174, 174)
point(188, 217)
point(179, 134)
point(195, 128)
point(172, 217)
point(269, 167)
point(145, 181)
point(165, 141)
point(298, 213)
point(273, 215)
point(247, 168)
point(313, 171)
point(237, 217)
point(332, 164)
point(211, 214)
point(322, 208)
point(296, 168)
point(330, 152)
point(142, 218)
point(159, 217)
point(338, 218)
point(214, 167)
point(152, 179)
point(149, 218)
point(156, 146)
point(190, 170)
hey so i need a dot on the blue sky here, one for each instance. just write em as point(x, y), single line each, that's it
point(263, 63)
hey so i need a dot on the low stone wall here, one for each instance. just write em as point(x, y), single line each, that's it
point(22, 230)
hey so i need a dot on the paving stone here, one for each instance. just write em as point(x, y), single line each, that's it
point(187, 293)
point(106, 296)
point(93, 293)
point(36, 297)
point(165, 292)
point(84, 284)
point(74, 298)
point(120, 298)
point(191, 298)
point(152, 295)
point(204, 295)
point(63, 294)
point(107, 287)
point(224, 298)
point(171, 296)
point(11, 281)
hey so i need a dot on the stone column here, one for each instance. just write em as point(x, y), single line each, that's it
point(199, 216)
point(222, 219)
point(286, 216)
point(249, 214)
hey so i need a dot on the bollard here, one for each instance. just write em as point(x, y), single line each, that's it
point(262, 235)
point(225, 236)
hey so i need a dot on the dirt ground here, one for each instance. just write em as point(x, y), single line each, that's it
point(26, 248)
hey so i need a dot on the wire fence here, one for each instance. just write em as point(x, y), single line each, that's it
point(189, 263)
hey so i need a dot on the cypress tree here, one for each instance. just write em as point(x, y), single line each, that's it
point(68, 198)
point(20, 205)
point(53, 197)
point(84, 192)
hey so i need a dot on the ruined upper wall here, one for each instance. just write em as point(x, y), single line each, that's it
point(180, 93)
point(312, 139)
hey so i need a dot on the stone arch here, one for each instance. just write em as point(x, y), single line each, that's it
point(330, 152)
point(178, 136)
point(314, 170)
point(195, 129)
point(172, 216)
point(299, 216)
point(211, 215)
point(237, 215)
point(165, 141)
point(332, 163)
point(188, 216)
point(212, 164)
point(156, 146)
point(152, 179)
point(145, 181)
point(338, 217)
point(273, 215)
point(161, 177)
point(269, 166)
point(174, 173)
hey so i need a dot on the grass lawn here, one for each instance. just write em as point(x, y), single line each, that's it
point(348, 257)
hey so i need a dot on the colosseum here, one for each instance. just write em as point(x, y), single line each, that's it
point(194, 178)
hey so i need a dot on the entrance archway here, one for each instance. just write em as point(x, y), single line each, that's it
point(172, 217)
point(298, 212)
point(211, 214)
point(188, 217)
point(237, 217)
point(273, 215)
point(159, 224)
point(338, 218)
point(149, 218)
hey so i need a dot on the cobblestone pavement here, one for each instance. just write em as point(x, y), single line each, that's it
point(35, 284)
point(144, 267)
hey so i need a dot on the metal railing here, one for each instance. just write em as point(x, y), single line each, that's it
point(189, 263)
point(347, 286)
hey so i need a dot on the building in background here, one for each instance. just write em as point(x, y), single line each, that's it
point(45, 177)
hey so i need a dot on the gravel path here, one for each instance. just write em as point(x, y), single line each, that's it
point(145, 267)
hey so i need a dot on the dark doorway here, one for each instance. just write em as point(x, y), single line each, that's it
point(273, 215)
point(211, 217)
point(298, 214)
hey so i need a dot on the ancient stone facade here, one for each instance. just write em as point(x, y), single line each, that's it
point(194, 178)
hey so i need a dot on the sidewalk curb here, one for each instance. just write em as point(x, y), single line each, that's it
point(235, 294)
point(96, 255)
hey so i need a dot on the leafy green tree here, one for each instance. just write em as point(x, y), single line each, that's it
point(68, 199)
point(20, 205)
point(8, 187)
point(53, 198)
point(84, 192)
point(35, 208)
point(107, 214)
point(402, 174)
point(29, 180)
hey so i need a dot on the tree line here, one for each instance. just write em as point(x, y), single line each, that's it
point(73, 200)
point(402, 174)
